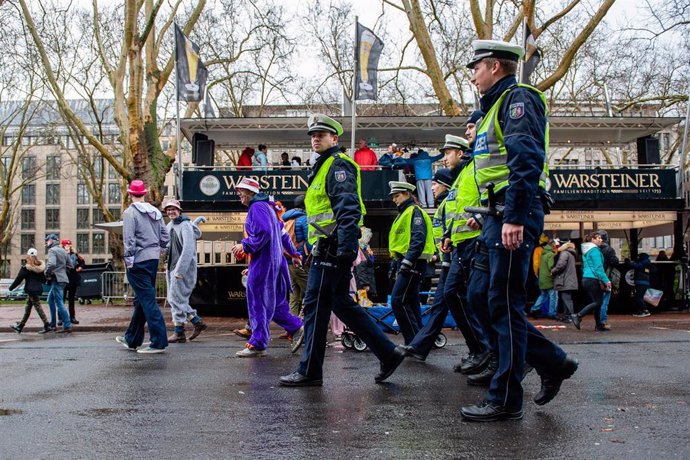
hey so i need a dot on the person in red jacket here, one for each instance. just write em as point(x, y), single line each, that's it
point(245, 159)
point(365, 157)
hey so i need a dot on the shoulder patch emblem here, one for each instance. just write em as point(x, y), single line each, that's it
point(340, 176)
point(418, 221)
point(516, 110)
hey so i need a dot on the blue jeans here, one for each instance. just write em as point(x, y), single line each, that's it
point(603, 315)
point(547, 298)
point(142, 278)
point(56, 301)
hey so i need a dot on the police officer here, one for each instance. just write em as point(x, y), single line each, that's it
point(423, 342)
point(334, 211)
point(411, 245)
point(510, 158)
point(459, 242)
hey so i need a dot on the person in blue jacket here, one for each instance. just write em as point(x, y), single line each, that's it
point(298, 273)
point(643, 270)
point(422, 162)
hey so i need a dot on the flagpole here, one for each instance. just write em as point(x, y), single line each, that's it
point(354, 89)
point(177, 113)
point(524, 45)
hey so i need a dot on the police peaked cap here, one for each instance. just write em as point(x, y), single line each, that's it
point(455, 142)
point(495, 49)
point(397, 187)
point(320, 122)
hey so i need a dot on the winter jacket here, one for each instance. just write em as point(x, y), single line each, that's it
point(365, 272)
point(546, 263)
point(260, 161)
point(33, 278)
point(366, 159)
point(610, 257)
point(301, 230)
point(73, 274)
point(144, 233)
point(244, 161)
point(421, 162)
point(565, 272)
point(593, 263)
point(643, 269)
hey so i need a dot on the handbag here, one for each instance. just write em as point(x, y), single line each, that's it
point(653, 296)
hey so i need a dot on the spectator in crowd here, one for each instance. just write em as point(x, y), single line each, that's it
point(421, 163)
point(245, 159)
point(285, 161)
point(296, 162)
point(267, 283)
point(32, 276)
point(389, 159)
point(296, 226)
point(260, 159)
point(365, 275)
point(643, 272)
point(547, 303)
point(365, 157)
point(665, 274)
point(565, 278)
point(74, 276)
point(610, 264)
point(56, 274)
point(180, 274)
point(594, 280)
point(145, 237)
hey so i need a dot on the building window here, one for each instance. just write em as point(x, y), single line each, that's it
point(28, 167)
point(52, 219)
point(28, 241)
point(52, 193)
point(53, 167)
point(83, 243)
point(98, 261)
point(29, 194)
point(114, 195)
point(28, 219)
point(98, 216)
point(98, 243)
point(83, 196)
point(116, 212)
point(83, 218)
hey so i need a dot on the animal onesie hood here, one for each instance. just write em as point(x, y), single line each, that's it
point(181, 272)
point(268, 281)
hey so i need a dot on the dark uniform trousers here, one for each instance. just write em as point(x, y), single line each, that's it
point(405, 300)
point(423, 342)
point(517, 339)
point(328, 287)
point(455, 297)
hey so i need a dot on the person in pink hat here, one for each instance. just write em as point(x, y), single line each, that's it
point(268, 281)
point(144, 237)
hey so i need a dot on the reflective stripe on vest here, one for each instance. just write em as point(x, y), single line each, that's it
point(318, 204)
point(438, 224)
point(490, 152)
point(401, 233)
point(463, 193)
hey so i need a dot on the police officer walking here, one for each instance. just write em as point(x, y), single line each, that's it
point(334, 211)
point(411, 245)
point(510, 171)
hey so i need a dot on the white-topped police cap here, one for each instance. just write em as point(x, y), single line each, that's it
point(495, 49)
point(455, 142)
point(397, 187)
point(320, 122)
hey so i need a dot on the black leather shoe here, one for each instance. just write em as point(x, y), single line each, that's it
point(391, 364)
point(411, 352)
point(475, 364)
point(483, 379)
point(551, 384)
point(298, 380)
point(74, 321)
point(577, 319)
point(488, 412)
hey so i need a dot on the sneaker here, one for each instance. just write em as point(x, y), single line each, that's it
point(46, 328)
point(17, 328)
point(121, 339)
point(151, 350)
point(250, 351)
point(642, 314)
point(297, 340)
point(245, 333)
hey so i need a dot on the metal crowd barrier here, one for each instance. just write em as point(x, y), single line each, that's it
point(116, 286)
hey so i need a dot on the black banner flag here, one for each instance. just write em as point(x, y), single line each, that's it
point(191, 72)
point(368, 52)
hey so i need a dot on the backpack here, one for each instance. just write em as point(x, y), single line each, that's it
point(289, 226)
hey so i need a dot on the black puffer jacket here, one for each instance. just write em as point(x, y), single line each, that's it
point(33, 278)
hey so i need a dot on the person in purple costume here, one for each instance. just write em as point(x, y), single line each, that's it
point(268, 281)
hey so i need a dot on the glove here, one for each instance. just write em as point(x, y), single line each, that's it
point(405, 266)
point(346, 259)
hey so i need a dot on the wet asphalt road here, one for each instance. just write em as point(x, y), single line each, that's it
point(85, 396)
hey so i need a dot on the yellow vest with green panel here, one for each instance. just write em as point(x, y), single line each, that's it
point(439, 224)
point(318, 204)
point(490, 164)
point(463, 193)
point(400, 234)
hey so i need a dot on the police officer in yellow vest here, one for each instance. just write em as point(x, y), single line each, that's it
point(510, 153)
point(334, 212)
point(411, 246)
point(423, 342)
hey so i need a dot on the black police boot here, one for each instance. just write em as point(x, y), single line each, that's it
point(483, 379)
point(391, 364)
point(411, 352)
point(475, 364)
point(551, 384)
